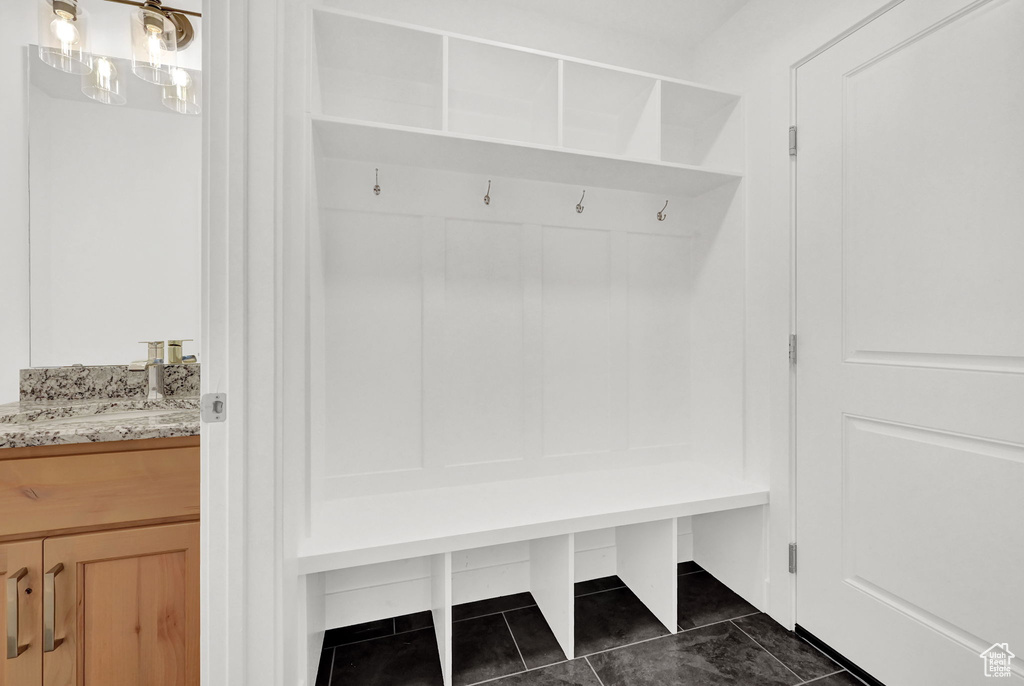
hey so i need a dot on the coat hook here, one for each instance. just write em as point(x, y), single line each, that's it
point(579, 205)
point(376, 181)
point(662, 216)
point(487, 198)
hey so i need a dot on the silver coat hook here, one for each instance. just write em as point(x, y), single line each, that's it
point(662, 216)
point(579, 205)
point(487, 198)
point(376, 181)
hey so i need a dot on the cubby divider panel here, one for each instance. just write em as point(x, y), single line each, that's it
point(552, 562)
point(611, 112)
point(376, 72)
point(441, 609)
point(646, 560)
point(501, 93)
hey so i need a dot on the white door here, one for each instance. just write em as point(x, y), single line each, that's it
point(910, 316)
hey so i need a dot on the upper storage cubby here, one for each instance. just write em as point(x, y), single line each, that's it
point(700, 126)
point(390, 93)
point(610, 112)
point(500, 93)
point(377, 72)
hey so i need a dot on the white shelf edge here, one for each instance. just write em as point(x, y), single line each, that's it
point(313, 557)
point(582, 154)
point(498, 44)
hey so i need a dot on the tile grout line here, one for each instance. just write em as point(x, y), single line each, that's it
point(731, 619)
point(655, 638)
point(491, 614)
point(770, 653)
point(515, 642)
point(826, 656)
point(825, 676)
point(603, 590)
point(378, 638)
point(596, 675)
point(330, 670)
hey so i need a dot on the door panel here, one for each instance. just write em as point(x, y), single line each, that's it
point(910, 312)
point(127, 608)
point(27, 668)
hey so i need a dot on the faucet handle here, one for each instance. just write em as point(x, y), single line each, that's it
point(155, 350)
point(174, 350)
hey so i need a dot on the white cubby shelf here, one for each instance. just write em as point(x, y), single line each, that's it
point(391, 93)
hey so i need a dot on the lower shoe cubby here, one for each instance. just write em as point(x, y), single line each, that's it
point(471, 616)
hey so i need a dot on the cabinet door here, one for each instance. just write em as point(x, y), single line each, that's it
point(125, 608)
point(21, 569)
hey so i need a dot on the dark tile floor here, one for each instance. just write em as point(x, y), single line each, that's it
point(505, 641)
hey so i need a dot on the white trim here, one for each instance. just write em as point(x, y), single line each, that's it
point(790, 502)
point(242, 553)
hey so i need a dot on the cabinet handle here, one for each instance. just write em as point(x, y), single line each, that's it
point(49, 609)
point(13, 647)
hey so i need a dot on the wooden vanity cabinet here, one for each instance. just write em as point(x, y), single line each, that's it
point(117, 598)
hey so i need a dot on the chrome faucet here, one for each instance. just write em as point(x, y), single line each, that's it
point(153, 365)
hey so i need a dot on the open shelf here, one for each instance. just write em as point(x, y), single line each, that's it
point(500, 93)
point(381, 144)
point(699, 126)
point(380, 528)
point(377, 72)
point(610, 112)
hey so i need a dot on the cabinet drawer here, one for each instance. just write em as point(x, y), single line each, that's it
point(81, 492)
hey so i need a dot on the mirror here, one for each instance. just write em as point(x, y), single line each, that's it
point(115, 220)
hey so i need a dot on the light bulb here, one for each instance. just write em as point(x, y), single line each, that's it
point(180, 78)
point(154, 47)
point(64, 31)
point(181, 96)
point(103, 84)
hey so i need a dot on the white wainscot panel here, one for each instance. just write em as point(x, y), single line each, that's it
point(373, 325)
point(483, 343)
point(577, 348)
point(932, 523)
point(659, 313)
point(911, 299)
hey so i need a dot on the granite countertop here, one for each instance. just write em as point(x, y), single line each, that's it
point(67, 405)
point(34, 423)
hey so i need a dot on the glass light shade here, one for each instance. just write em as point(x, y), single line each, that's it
point(154, 47)
point(62, 36)
point(104, 84)
point(183, 95)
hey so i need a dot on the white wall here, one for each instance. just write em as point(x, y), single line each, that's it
point(17, 30)
point(753, 54)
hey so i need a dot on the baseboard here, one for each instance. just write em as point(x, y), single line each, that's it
point(838, 657)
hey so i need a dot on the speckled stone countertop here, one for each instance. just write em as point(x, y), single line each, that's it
point(66, 405)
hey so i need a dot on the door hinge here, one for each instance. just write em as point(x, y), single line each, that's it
point(792, 141)
point(792, 348)
point(792, 558)
point(213, 407)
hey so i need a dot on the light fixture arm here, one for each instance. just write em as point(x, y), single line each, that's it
point(156, 3)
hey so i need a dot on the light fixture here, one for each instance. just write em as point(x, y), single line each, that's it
point(154, 44)
point(62, 36)
point(182, 96)
point(103, 84)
